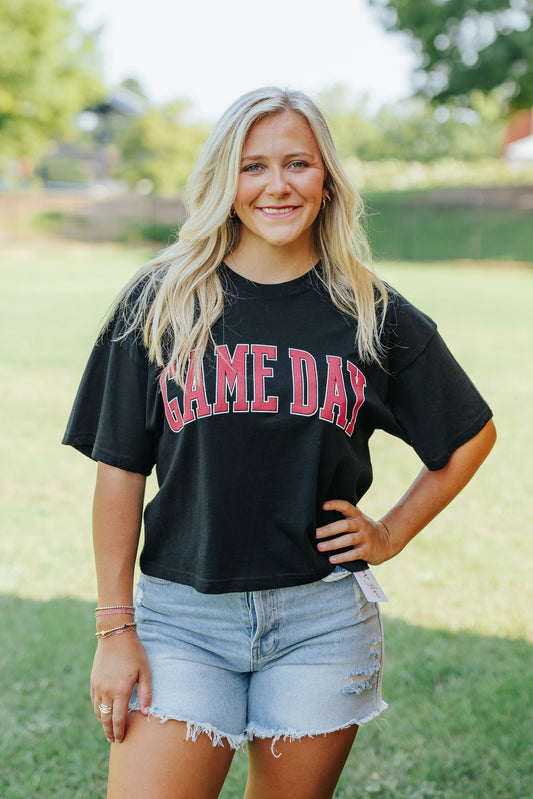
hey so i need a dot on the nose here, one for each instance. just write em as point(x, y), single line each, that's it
point(277, 182)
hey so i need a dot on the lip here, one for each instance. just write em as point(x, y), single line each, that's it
point(278, 211)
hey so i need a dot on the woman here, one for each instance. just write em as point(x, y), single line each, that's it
point(250, 363)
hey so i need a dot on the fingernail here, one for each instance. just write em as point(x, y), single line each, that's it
point(110, 741)
point(333, 560)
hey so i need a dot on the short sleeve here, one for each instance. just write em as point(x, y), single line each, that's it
point(110, 419)
point(435, 404)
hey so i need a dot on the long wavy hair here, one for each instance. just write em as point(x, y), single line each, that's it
point(177, 297)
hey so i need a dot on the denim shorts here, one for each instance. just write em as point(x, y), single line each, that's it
point(280, 663)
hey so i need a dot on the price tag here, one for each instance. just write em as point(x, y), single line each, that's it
point(370, 586)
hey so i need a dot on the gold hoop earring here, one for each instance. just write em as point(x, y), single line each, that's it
point(323, 204)
point(232, 213)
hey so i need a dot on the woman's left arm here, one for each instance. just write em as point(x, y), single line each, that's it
point(378, 541)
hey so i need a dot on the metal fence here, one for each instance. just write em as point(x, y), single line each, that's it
point(494, 222)
point(415, 233)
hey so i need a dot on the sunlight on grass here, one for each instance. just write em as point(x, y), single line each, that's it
point(466, 571)
point(459, 619)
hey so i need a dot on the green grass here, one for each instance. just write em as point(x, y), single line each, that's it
point(458, 624)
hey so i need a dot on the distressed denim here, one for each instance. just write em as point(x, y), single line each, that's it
point(280, 663)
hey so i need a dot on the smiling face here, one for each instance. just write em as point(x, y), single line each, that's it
point(281, 185)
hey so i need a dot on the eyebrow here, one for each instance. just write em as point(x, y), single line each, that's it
point(307, 156)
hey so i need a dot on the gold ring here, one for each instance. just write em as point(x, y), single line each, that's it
point(105, 710)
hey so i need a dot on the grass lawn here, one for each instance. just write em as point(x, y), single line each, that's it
point(458, 624)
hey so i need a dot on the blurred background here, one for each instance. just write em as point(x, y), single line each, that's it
point(104, 106)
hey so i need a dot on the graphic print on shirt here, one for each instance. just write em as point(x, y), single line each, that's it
point(241, 385)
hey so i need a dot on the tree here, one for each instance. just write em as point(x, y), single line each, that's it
point(159, 146)
point(351, 123)
point(418, 130)
point(466, 45)
point(49, 71)
point(415, 129)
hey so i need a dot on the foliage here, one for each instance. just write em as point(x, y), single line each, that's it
point(47, 221)
point(65, 170)
point(415, 129)
point(49, 71)
point(157, 232)
point(397, 175)
point(468, 44)
point(415, 226)
point(160, 147)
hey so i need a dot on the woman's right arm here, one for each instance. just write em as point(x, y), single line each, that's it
point(120, 660)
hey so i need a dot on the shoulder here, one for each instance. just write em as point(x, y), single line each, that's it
point(401, 314)
point(126, 321)
point(407, 330)
point(133, 303)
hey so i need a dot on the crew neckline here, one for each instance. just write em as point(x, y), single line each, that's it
point(252, 288)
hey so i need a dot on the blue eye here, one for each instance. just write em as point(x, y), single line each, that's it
point(299, 164)
point(252, 168)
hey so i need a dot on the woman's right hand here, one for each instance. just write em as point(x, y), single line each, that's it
point(120, 662)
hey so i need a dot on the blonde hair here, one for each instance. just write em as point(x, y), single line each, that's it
point(177, 297)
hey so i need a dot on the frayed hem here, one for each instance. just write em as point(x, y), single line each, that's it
point(293, 735)
point(238, 742)
point(194, 729)
point(372, 716)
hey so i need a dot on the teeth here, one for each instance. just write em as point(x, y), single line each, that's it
point(274, 211)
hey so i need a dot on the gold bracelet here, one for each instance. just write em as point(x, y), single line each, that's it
point(115, 630)
point(113, 612)
point(117, 607)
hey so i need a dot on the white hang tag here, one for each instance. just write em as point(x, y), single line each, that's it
point(370, 586)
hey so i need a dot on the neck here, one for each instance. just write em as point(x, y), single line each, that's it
point(274, 265)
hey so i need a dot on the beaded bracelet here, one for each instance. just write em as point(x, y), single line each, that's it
point(111, 611)
point(116, 630)
point(116, 607)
